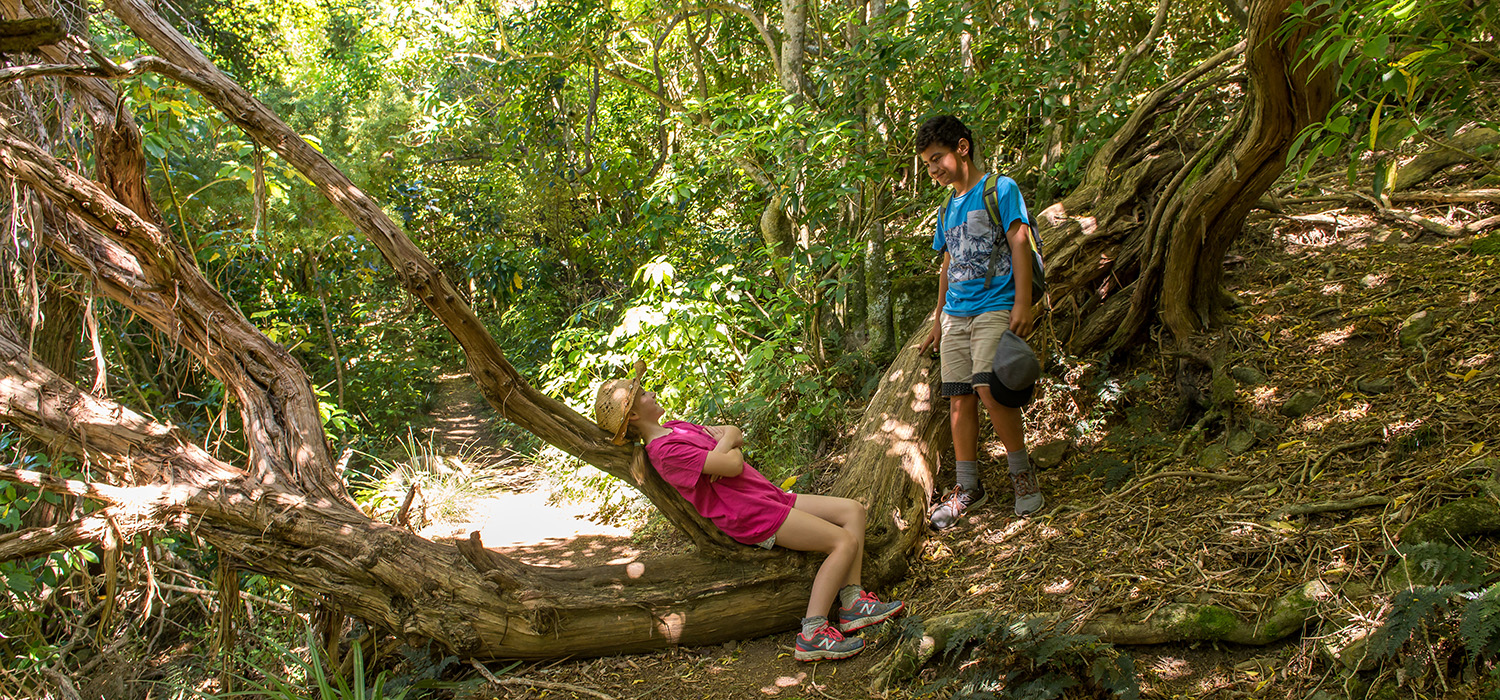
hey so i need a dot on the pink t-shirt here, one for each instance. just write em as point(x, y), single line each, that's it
point(748, 507)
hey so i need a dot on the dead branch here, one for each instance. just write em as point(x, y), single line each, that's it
point(545, 685)
point(1330, 506)
point(1309, 472)
point(1229, 478)
point(96, 528)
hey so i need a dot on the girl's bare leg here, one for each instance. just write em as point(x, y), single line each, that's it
point(845, 513)
point(806, 532)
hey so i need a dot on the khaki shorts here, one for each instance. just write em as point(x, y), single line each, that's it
point(969, 348)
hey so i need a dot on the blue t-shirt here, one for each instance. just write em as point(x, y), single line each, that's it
point(968, 236)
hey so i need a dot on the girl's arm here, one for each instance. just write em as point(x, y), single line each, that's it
point(719, 432)
point(725, 459)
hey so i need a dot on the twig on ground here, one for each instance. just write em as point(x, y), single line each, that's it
point(1331, 506)
point(1310, 471)
point(545, 685)
point(1231, 478)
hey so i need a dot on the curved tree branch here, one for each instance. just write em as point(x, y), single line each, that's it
point(1144, 45)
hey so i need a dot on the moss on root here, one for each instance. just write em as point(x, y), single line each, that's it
point(1461, 518)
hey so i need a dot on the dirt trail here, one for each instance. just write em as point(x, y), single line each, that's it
point(527, 519)
point(462, 420)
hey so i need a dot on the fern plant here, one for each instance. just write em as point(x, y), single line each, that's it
point(1001, 658)
point(1460, 603)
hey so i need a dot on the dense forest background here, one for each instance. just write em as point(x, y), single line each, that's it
point(726, 190)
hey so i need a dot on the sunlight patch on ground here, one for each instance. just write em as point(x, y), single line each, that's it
point(1333, 289)
point(1347, 415)
point(511, 519)
point(1311, 238)
point(1330, 340)
point(1170, 668)
point(1264, 398)
point(783, 682)
point(1476, 361)
point(1059, 587)
point(1399, 428)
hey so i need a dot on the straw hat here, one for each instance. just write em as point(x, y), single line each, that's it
point(613, 403)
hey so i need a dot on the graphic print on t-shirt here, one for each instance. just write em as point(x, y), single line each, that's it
point(969, 245)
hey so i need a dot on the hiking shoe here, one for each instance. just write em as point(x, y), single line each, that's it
point(827, 643)
point(960, 499)
point(867, 610)
point(1028, 495)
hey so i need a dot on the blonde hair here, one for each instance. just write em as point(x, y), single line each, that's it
point(639, 464)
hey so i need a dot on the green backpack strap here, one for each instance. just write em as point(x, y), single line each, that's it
point(991, 198)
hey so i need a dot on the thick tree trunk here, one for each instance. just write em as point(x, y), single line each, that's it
point(891, 465)
point(1143, 239)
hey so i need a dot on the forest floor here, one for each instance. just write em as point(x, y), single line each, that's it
point(1388, 335)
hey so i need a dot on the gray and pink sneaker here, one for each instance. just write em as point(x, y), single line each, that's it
point(867, 610)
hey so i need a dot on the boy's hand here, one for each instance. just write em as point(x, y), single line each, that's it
point(934, 340)
point(1021, 320)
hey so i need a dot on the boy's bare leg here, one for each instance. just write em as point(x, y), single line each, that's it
point(806, 532)
point(1007, 423)
point(963, 418)
point(845, 513)
point(1005, 420)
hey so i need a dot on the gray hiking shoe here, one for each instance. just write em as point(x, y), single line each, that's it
point(1028, 495)
point(951, 508)
point(867, 610)
point(826, 643)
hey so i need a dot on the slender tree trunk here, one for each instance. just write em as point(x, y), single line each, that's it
point(793, 47)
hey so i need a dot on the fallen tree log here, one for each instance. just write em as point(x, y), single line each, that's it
point(287, 515)
point(1444, 155)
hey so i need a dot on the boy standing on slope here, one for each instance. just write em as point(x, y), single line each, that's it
point(975, 312)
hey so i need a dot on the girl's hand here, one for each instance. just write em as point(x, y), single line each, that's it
point(727, 433)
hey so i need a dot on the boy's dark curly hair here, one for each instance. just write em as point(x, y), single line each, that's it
point(945, 130)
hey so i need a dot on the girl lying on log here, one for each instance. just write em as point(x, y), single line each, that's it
point(706, 465)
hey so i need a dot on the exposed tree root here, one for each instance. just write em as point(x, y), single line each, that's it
point(1331, 506)
point(1230, 478)
point(1463, 517)
point(1311, 470)
point(1171, 622)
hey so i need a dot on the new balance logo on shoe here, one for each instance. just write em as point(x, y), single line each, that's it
point(826, 642)
point(867, 610)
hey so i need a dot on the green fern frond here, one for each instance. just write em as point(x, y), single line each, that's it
point(1439, 563)
point(1408, 610)
point(1480, 627)
point(989, 627)
point(1050, 685)
point(1116, 674)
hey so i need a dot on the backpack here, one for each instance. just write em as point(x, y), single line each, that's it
point(991, 198)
